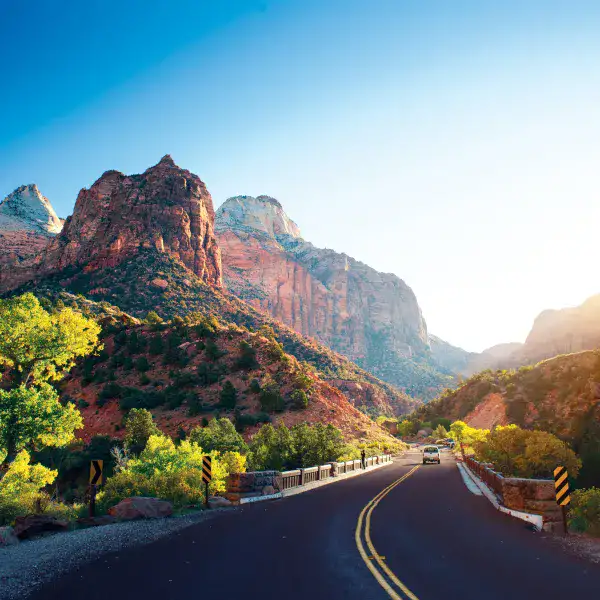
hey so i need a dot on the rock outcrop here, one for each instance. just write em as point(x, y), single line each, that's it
point(27, 223)
point(166, 208)
point(373, 318)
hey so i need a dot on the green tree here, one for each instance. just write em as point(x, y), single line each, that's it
point(152, 318)
point(247, 359)
point(405, 428)
point(271, 399)
point(440, 432)
point(36, 345)
point(142, 364)
point(212, 350)
point(299, 399)
point(33, 417)
point(220, 435)
point(228, 395)
point(139, 426)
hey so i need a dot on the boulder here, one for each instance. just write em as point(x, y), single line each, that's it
point(141, 508)
point(218, 502)
point(96, 521)
point(32, 525)
point(8, 537)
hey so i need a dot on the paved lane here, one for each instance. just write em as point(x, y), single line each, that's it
point(438, 539)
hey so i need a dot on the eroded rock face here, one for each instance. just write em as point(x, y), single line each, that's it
point(370, 317)
point(166, 208)
point(27, 223)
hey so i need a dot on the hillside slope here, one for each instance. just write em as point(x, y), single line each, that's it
point(560, 395)
point(178, 371)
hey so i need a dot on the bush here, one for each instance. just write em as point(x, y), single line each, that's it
point(247, 359)
point(20, 488)
point(522, 453)
point(254, 386)
point(248, 420)
point(142, 364)
point(299, 399)
point(228, 395)
point(271, 399)
point(584, 511)
point(212, 350)
point(156, 345)
point(168, 471)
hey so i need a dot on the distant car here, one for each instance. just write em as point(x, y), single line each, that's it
point(431, 454)
point(451, 443)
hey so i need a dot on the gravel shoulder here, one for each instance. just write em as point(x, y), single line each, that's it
point(26, 566)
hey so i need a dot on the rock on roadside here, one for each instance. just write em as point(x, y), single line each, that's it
point(141, 508)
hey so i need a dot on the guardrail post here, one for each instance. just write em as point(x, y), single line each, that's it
point(301, 476)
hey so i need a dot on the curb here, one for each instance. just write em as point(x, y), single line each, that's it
point(536, 520)
point(314, 485)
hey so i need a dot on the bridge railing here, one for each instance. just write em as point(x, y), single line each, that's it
point(298, 477)
point(485, 472)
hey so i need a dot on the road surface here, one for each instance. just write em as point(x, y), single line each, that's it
point(431, 538)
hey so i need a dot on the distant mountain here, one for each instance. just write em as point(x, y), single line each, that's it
point(450, 357)
point(27, 222)
point(372, 318)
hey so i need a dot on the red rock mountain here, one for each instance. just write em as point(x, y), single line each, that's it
point(165, 208)
point(27, 222)
point(372, 318)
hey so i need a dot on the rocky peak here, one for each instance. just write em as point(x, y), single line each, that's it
point(166, 208)
point(262, 215)
point(27, 210)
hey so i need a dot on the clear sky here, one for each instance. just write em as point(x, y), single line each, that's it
point(454, 143)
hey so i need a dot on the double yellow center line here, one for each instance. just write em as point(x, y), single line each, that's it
point(382, 573)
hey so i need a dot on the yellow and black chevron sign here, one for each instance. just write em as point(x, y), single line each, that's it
point(561, 485)
point(206, 469)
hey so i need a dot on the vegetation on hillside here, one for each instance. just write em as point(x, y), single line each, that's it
point(157, 283)
point(560, 396)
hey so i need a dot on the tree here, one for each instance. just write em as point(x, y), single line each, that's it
point(142, 364)
point(220, 435)
point(228, 395)
point(33, 417)
point(405, 428)
point(39, 346)
point(139, 426)
point(212, 350)
point(152, 318)
point(247, 359)
point(299, 399)
point(440, 432)
point(270, 398)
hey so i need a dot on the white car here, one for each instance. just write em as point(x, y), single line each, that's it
point(431, 454)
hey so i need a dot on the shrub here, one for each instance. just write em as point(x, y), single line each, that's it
point(299, 399)
point(271, 399)
point(584, 511)
point(212, 350)
point(228, 395)
point(20, 488)
point(168, 471)
point(142, 364)
point(247, 359)
point(152, 318)
point(156, 345)
point(248, 420)
point(522, 453)
point(254, 386)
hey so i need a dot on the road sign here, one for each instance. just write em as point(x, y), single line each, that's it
point(206, 469)
point(96, 467)
point(561, 485)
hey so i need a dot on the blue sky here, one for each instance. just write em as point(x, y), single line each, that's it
point(455, 144)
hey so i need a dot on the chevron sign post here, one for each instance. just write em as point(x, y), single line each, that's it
point(206, 475)
point(563, 497)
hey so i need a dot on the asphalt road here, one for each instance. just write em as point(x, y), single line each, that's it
point(438, 540)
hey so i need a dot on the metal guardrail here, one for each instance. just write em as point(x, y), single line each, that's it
point(298, 477)
point(485, 472)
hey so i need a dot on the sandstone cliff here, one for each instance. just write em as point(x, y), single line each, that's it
point(27, 223)
point(166, 208)
point(373, 318)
